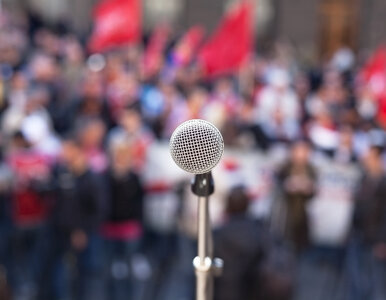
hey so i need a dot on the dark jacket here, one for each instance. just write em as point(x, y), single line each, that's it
point(126, 197)
point(81, 201)
point(370, 210)
point(240, 243)
point(297, 227)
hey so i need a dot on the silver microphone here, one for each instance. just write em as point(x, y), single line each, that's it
point(196, 146)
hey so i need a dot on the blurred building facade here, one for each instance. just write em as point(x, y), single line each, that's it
point(316, 28)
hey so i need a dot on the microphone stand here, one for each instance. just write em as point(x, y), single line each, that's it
point(205, 266)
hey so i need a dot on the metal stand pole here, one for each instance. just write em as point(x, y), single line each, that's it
point(205, 266)
point(203, 261)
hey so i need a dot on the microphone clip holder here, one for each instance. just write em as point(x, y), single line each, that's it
point(203, 185)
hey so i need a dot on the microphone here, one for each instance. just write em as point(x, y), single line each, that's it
point(196, 146)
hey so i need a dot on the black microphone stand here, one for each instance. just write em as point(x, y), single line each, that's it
point(205, 266)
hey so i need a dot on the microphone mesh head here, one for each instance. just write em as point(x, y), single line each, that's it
point(196, 146)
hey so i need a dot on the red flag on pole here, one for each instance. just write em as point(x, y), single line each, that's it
point(374, 72)
point(374, 76)
point(116, 23)
point(231, 43)
point(153, 55)
point(184, 50)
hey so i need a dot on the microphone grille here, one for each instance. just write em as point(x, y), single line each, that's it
point(196, 146)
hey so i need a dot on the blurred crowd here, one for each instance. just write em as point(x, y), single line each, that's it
point(75, 130)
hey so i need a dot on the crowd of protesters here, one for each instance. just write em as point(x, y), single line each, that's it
point(75, 130)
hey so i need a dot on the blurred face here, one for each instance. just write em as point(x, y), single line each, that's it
point(19, 81)
point(346, 138)
point(44, 68)
point(69, 152)
point(131, 121)
point(302, 85)
point(372, 162)
point(92, 86)
point(121, 158)
point(332, 78)
point(300, 153)
point(279, 80)
point(113, 67)
point(224, 86)
point(48, 41)
point(93, 134)
point(196, 100)
point(73, 51)
point(333, 94)
point(323, 117)
point(126, 86)
point(169, 92)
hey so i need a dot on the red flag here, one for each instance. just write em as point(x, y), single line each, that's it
point(154, 52)
point(374, 72)
point(374, 75)
point(231, 43)
point(116, 23)
point(187, 45)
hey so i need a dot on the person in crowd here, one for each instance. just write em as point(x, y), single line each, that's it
point(123, 91)
point(223, 103)
point(367, 252)
point(66, 93)
point(157, 104)
point(123, 228)
point(5, 180)
point(323, 132)
point(131, 127)
point(297, 179)
point(37, 123)
point(73, 66)
point(90, 101)
point(240, 243)
point(91, 133)
point(81, 206)
point(191, 108)
point(302, 88)
point(332, 94)
point(329, 108)
point(278, 110)
point(345, 152)
point(30, 208)
point(14, 112)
